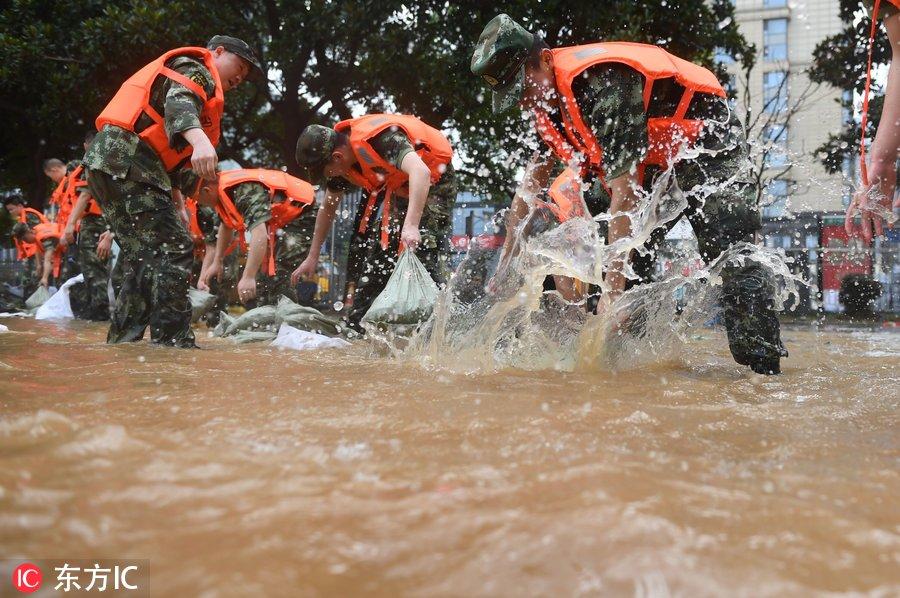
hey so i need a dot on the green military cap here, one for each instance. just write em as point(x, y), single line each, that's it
point(19, 229)
point(314, 147)
point(239, 47)
point(499, 58)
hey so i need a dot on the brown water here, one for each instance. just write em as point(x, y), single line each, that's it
point(241, 471)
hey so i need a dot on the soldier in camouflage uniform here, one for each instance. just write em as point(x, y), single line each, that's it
point(519, 68)
point(369, 265)
point(135, 191)
point(292, 245)
point(34, 265)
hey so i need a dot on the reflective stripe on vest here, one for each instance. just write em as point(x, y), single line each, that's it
point(133, 99)
point(299, 194)
point(665, 135)
point(376, 174)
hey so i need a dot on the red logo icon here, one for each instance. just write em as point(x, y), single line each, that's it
point(27, 578)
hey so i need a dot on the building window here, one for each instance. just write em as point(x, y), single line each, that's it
point(775, 3)
point(775, 92)
point(723, 57)
point(776, 198)
point(775, 138)
point(774, 40)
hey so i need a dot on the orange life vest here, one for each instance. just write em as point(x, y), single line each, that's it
point(77, 184)
point(47, 230)
point(863, 170)
point(299, 194)
point(376, 174)
point(133, 99)
point(665, 134)
point(25, 250)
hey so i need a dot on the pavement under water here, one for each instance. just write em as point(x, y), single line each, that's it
point(241, 470)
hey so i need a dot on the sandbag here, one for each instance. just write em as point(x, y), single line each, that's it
point(58, 307)
point(252, 336)
point(201, 303)
point(305, 318)
point(254, 319)
point(407, 299)
point(302, 340)
point(37, 298)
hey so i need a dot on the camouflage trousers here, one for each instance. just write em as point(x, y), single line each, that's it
point(291, 248)
point(727, 216)
point(369, 266)
point(156, 255)
point(96, 270)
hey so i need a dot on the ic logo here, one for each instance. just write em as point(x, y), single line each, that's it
point(27, 578)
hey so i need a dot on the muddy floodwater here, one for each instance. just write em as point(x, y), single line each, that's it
point(244, 471)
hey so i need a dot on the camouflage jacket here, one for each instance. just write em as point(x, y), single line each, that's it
point(122, 154)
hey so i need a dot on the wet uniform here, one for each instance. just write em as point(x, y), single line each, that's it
point(96, 271)
point(610, 98)
point(133, 188)
point(370, 266)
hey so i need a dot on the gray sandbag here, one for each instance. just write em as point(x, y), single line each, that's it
point(255, 319)
point(407, 299)
point(253, 336)
point(37, 298)
point(305, 318)
point(201, 303)
point(225, 320)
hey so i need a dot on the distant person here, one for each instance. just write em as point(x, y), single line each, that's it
point(164, 119)
point(404, 166)
point(45, 237)
point(875, 199)
point(263, 203)
point(616, 113)
point(25, 251)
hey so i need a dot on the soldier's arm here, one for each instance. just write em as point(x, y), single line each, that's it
point(259, 244)
point(182, 110)
point(77, 212)
point(419, 185)
point(623, 191)
point(49, 246)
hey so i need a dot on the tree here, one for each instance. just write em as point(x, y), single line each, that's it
point(830, 65)
point(61, 61)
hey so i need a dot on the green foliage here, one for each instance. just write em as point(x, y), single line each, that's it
point(840, 60)
point(61, 61)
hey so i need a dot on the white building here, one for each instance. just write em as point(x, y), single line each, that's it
point(795, 117)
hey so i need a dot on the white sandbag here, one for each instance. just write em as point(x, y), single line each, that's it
point(3, 329)
point(301, 340)
point(58, 307)
point(38, 298)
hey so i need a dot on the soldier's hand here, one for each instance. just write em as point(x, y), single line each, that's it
point(304, 270)
point(204, 159)
point(246, 289)
point(69, 236)
point(213, 271)
point(104, 245)
point(410, 236)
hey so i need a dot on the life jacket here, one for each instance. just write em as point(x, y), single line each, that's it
point(133, 99)
point(376, 174)
point(77, 184)
point(666, 135)
point(66, 195)
point(25, 250)
point(299, 194)
point(47, 230)
point(58, 197)
point(863, 170)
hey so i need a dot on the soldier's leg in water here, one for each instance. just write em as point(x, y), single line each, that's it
point(131, 311)
point(95, 269)
point(729, 216)
point(377, 269)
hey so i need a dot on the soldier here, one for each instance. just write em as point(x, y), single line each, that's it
point(45, 237)
point(87, 218)
point(404, 165)
point(165, 118)
point(616, 114)
point(262, 202)
point(26, 251)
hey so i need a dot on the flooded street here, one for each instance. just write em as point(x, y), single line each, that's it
point(241, 470)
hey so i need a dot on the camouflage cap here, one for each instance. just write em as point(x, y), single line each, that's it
point(314, 147)
point(19, 229)
point(241, 48)
point(499, 58)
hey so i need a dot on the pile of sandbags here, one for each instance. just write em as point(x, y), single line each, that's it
point(263, 323)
